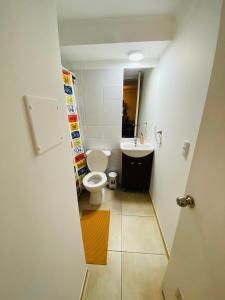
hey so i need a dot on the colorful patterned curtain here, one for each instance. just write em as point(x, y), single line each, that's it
point(78, 154)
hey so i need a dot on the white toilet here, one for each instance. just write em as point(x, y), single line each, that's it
point(96, 180)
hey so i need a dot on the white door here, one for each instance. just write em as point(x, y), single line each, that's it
point(197, 263)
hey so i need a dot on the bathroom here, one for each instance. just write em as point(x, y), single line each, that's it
point(67, 233)
point(99, 98)
point(161, 127)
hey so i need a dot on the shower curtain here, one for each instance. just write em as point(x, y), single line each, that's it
point(78, 154)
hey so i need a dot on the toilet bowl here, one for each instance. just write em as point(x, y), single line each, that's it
point(96, 180)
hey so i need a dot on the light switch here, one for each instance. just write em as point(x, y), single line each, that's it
point(185, 148)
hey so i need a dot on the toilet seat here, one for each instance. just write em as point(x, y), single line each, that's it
point(94, 181)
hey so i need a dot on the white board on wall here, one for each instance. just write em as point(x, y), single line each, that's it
point(44, 122)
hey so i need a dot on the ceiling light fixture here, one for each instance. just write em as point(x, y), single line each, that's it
point(135, 55)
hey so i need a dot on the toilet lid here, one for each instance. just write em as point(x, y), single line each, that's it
point(97, 161)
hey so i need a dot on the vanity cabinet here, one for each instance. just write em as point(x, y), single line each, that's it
point(136, 172)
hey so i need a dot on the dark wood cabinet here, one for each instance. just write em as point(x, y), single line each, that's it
point(136, 172)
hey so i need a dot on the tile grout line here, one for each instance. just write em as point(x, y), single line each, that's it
point(137, 252)
point(151, 253)
point(118, 214)
point(139, 216)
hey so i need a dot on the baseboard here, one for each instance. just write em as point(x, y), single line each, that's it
point(161, 232)
point(84, 285)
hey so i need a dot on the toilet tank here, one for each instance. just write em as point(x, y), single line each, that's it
point(106, 152)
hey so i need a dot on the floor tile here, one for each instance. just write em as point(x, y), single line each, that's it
point(133, 228)
point(142, 276)
point(141, 234)
point(112, 201)
point(115, 233)
point(104, 282)
point(138, 204)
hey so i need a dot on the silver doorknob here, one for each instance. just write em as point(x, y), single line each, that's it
point(186, 201)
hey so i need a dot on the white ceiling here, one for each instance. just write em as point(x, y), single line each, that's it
point(85, 9)
point(112, 52)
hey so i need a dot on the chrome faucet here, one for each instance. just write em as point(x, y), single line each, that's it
point(135, 141)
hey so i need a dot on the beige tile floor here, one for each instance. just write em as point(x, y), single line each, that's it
point(136, 256)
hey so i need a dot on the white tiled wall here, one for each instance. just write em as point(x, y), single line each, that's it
point(100, 95)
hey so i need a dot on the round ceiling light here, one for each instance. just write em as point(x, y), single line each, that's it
point(135, 55)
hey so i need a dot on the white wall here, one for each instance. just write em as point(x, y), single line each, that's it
point(175, 102)
point(41, 249)
point(117, 30)
point(201, 256)
point(100, 94)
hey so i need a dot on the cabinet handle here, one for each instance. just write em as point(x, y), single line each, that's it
point(140, 163)
point(131, 163)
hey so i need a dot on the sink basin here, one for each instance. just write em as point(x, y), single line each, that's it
point(140, 150)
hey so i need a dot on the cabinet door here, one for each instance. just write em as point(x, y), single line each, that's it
point(140, 173)
point(136, 172)
point(128, 171)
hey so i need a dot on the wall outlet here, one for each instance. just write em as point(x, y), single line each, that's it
point(178, 295)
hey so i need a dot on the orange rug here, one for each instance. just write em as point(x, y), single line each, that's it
point(95, 232)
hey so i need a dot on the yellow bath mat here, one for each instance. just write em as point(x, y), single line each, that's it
point(95, 232)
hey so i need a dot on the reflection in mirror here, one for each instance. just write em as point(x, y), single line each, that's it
point(131, 101)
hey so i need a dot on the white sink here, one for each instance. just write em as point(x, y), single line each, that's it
point(140, 150)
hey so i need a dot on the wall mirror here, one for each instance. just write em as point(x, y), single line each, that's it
point(132, 86)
